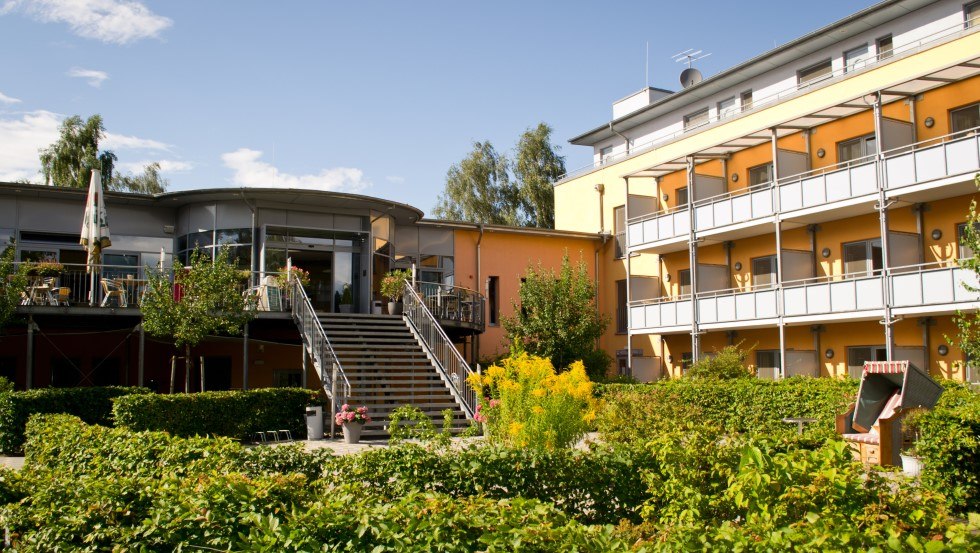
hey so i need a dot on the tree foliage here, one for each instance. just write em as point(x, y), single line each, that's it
point(557, 318)
point(12, 283)
point(968, 324)
point(207, 301)
point(69, 161)
point(487, 187)
point(726, 364)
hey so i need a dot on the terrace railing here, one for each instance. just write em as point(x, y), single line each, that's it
point(453, 305)
point(440, 348)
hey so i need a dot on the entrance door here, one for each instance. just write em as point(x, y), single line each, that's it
point(320, 265)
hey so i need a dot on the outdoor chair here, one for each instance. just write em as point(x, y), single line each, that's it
point(889, 391)
point(111, 290)
point(62, 295)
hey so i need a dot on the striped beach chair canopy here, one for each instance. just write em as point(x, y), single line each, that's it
point(880, 380)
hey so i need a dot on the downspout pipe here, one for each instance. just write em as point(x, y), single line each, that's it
point(621, 135)
point(479, 282)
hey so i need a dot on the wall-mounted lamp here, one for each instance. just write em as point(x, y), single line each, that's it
point(825, 252)
point(943, 349)
point(667, 277)
point(821, 152)
point(930, 122)
point(937, 234)
point(829, 354)
point(738, 265)
point(665, 197)
point(670, 359)
point(734, 177)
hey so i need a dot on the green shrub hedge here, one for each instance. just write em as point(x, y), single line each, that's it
point(92, 488)
point(641, 411)
point(238, 414)
point(92, 405)
point(949, 445)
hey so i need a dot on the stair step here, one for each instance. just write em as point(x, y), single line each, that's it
point(378, 347)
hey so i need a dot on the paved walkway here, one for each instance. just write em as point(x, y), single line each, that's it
point(15, 463)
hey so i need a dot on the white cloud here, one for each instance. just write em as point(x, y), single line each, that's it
point(251, 171)
point(4, 99)
point(166, 165)
point(21, 138)
point(395, 179)
point(94, 77)
point(113, 21)
point(113, 141)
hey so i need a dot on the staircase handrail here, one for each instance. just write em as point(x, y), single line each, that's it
point(451, 363)
point(335, 382)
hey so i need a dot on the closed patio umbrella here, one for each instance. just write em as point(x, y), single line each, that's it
point(95, 230)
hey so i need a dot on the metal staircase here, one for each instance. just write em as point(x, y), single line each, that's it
point(382, 362)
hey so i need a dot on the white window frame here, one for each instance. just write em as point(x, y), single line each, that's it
point(861, 60)
point(693, 119)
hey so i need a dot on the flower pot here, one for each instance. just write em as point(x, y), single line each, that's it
point(352, 432)
point(394, 308)
point(911, 465)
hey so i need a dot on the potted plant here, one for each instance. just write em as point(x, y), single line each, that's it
point(352, 421)
point(347, 299)
point(392, 285)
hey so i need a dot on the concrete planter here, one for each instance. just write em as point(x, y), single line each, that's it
point(352, 432)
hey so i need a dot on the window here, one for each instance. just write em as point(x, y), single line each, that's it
point(727, 107)
point(862, 258)
point(621, 307)
point(971, 14)
point(964, 251)
point(619, 227)
point(856, 356)
point(746, 100)
point(764, 271)
point(687, 359)
point(696, 119)
point(856, 58)
point(884, 47)
point(964, 118)
point(767, 363)
point(605, 153)
point(493, 299)
point(680, 196)
point(815, 72)
point(684, 280)
point(287, 378)
point(856, 149)
point(760, 174)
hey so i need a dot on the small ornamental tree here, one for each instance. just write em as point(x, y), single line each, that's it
point(197, 302)
point(557, 318)
point(968, 324)
point(12, 283)
point(726, 364)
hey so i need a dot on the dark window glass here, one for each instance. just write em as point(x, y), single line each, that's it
point(856, 356)
point(681, 197)
point(746, 100)
point(621, 307)
point(760, 174)
point(965, 118)
point(884, 47)
point(493, 299)
point(862, 258)
point(619, 227)
point(971, 14)
point(856, 149)
point(696, 119)
point(684, 280)
point(764, 271)
point(234, 236)
point(815, 72)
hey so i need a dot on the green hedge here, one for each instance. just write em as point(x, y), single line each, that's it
point(92, 405)
point(642, 411)
point(236, 415)
point(949, 445)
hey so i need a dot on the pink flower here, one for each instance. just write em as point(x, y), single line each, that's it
point(494, 403)
point(344, 407)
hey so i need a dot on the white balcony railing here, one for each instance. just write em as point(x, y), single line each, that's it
point(821, 187)
point(658, 227)
point(734, 207)
point(932, 284)
point(934, 159)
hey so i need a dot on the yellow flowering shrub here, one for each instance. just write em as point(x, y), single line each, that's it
point(525, 403)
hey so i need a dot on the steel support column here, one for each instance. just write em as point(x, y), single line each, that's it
point(882, 208)
point(629, 286)
point(245, 358)
point(693, 258)
point(777, 218)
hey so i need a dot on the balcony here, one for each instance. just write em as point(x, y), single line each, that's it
point(934, 163)
point(933, 288)
point(460, 311)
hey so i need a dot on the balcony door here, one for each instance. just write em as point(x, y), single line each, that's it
point(862, 258)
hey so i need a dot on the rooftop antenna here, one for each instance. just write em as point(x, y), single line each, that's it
point(690, 76)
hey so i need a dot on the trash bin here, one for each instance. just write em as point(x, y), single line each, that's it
point(376, 308)
point(314, 422)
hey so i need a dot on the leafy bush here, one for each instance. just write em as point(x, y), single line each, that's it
point(238, 414)
point(728, 363)
point(949, 445)
point(641, 412)
point(92, 405)
point(525, 404)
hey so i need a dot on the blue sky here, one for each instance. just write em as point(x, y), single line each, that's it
point(378, 98)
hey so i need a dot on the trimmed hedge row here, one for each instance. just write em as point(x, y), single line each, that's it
point(642, 411)
point(238, 414)
point(949, 445)
point(92, 405)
